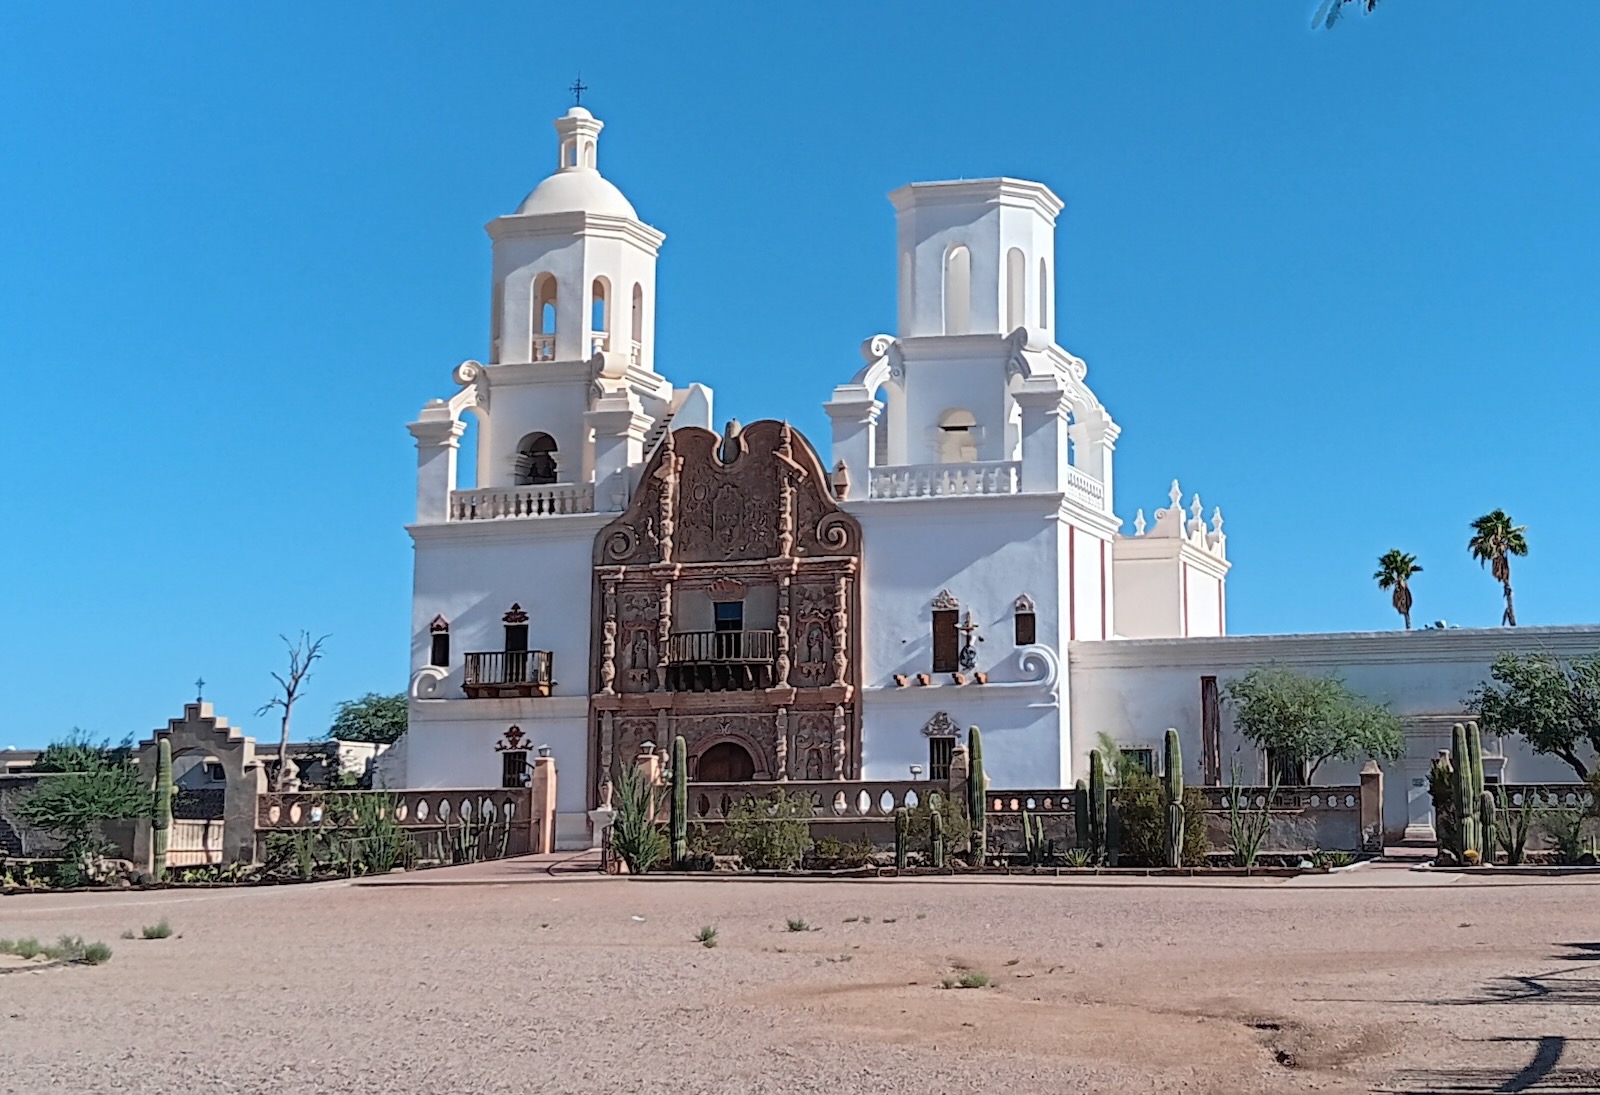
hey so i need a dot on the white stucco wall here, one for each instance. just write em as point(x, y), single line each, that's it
point(1134, 689)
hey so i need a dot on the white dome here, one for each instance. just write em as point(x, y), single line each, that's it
point(574, 191)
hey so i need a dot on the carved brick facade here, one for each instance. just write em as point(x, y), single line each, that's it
point(727, 609)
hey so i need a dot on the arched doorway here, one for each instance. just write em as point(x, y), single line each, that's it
point(725, 762)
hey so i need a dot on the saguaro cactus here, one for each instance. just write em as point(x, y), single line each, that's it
point(977, 796)
point(902, 830)
point(1486, 823)
point(936, 839)
point(1097, 806)
point(680, 803)
point(1175, 816)
point(1467, 839)
point(1080, 814)
point(161, 823)
point(1475, 757)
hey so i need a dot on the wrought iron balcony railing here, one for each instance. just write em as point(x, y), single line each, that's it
point(719, 647)
point(508, 673)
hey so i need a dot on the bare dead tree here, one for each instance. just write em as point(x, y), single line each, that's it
point(303, 651)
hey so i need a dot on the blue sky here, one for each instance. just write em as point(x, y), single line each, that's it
point(1341, 283)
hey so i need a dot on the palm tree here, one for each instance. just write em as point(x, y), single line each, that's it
point(1494, 540)
point(1395, 569)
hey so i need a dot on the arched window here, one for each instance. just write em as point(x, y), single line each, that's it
point(544, 319)
point(958, 439)
point(1044, 294)
point(638, 312)
point(588, 153)
point(1025, 622)
point(880, 429)
point(599, 306)
point(957, 290)
point(536, 460)
point(1016, 289)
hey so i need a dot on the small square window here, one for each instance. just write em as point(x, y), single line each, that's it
point(940, 753)
point(215, 773)
point(513, 768)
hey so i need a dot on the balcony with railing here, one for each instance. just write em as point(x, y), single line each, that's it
point(543, 348)
point(719, 661)
point(502, 673)
point(542, 500)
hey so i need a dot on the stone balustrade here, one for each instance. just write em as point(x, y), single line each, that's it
point(939, 480)
point(1086, 489)
point(499, 503)
point(849, 800)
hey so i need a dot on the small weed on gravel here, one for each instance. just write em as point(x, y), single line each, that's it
point(799, 926)
point(969, 980)
point(22, 948)
point(159, 930)
point(707, 936)
point(69, 948)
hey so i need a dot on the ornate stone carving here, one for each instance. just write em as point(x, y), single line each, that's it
point(941, 726)
point(515, 615)
point(838, 742)
point(1023, 603)
point(439, 624)
point(608, 641)
point(780, 741)
point(663, 634)
point(840, 620)
point(944, 601)
point(780, 663)
point(727, 589)
point(813, 736)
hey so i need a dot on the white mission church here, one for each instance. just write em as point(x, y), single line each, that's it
point(625, 569)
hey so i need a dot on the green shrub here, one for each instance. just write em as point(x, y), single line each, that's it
point(1077, 857)
point(1564, 824)
point(953, 810)
point(158, 930)
point(706, 936)
point(1442, 790)
point(831, 854)
point(799, 926)
point(94, 954)
point(27, 948)
point(1142, 810)
point(771, 834)
point(969, 980)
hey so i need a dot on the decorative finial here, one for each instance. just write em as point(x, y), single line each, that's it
point(1138, 523)
point(578, 88)
point(1216, 520)
point(199, 690)
point(1195, 508)
point(1175, 495)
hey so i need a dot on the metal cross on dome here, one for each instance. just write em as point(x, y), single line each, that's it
point(578, 88)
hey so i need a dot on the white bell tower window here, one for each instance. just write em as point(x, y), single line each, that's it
point(1044, 293)
point(957, 290)
point(958, 439)
point(1016, 289)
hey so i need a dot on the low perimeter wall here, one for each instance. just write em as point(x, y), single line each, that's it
point(491, 816)
point(1336, 818)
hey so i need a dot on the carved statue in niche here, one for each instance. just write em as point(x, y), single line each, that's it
point(816, 646)
point(814, 742)
point(815, 620)
point(814, 764)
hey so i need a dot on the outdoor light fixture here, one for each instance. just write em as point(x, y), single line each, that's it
point(916, 771)
point(544, 750)
point(647, 747)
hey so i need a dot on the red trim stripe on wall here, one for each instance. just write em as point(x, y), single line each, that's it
point(1103, 633)
point(1072, 582)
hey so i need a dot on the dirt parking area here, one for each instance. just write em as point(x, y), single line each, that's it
point(502, 978)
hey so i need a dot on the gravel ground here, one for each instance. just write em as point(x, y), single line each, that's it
point(500, 978)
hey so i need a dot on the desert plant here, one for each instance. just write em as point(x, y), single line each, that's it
point(952, 811)
point(977, 796)
point(73, 805)
point(1097, 806)
point(936, 840)
point(1487, 824)
point(680, 803)
point(1564, 826)
point(1330, 860)
point(72, 948)
point(799, 926)
point(634, 833)
point(161, 822)
point(969, 979)
point(1465, 801)
point(1550, 703)
point(1248, 827)
point(1513, 824)
point(773, 833)
point(1142, 818)
point(832, 853)
point(22, 948)
point(379, 842)
point(159, 930)
point(1080, 815)
point(1442, 790)
point(1035, 847)
point(706, 936)
point(1175, 810)
point(902, 830)
point(1077, 857)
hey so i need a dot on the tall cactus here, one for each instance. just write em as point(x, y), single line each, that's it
point(936, 839)
point(1475, 757)
point(1097, 806)
point(1033, 840)
point(1080, 814)
point(902, 830)
point(977, 796)
point(1175, 813)
point(161, 823)
point(1486, 830)
point(1467, 839)
point(680, 803)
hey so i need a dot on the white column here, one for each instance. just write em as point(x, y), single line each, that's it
point(1095, 438)
point(619, 432)
point(438, 442)
point(1044, 438)
point(853, 417)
